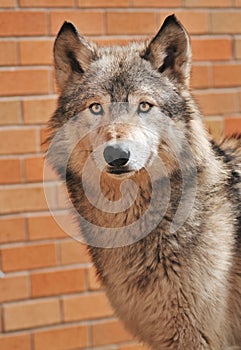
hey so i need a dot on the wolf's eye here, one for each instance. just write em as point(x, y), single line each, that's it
point(96, 109)
point(144, 107)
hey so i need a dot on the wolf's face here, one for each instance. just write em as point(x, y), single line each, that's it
point(123, 107)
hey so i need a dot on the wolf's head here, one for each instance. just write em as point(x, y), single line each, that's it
point(125, 106)
point(126, 117)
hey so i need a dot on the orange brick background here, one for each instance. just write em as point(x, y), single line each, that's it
point(49, 296)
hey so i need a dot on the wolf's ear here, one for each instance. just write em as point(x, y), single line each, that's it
point(72, 54)
point(170, 52)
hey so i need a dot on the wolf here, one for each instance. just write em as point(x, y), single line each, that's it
point(127, 130)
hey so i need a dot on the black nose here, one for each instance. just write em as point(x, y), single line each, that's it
point(116, 156)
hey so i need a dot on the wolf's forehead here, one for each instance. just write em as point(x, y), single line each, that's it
point(121, 71)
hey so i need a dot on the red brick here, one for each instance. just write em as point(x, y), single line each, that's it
point(93, 280)
point(19, 23)
point(208, 3)
point(200, 76)
point(73, 252)
point(226, 22)
point(30, 314)
point(12, 230)
point(55, 89)
point(9, 112)
point(195, 22)
point(7, 3)
point(24, 82)
point(18, 199)
point(88, 23)
point(103, 3)
point(217, 103)
point(109, 333)
point(44, 227)
point(239, 94)
point(1, 323)
point(86, 307)
point(211, 49)
point(13, 288)
point(228, 75)
point(156, 3)
point(215, 127)
point(237, 48)
point(57, 282)
point(232, 126)
point(28, 257)
point(15, 342)
point(53, 84)
point(18, 141)
point(67, 338)
point(34, 169)
point(8, 53)
point(131, 23)
point(36, 52)
point(10, 171)
point(47, 3)
point(38, 111)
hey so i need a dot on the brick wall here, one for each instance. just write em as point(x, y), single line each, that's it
point(49, 296)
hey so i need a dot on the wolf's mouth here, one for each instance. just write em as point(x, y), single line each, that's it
point(118, 170)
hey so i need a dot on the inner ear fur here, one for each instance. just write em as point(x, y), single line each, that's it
point(169, 51)
point(72, 54)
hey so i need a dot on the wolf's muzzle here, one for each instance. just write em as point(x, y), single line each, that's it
point(116, 156)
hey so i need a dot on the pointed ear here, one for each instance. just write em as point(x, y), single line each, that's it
point(170, 52)
point(72, 54)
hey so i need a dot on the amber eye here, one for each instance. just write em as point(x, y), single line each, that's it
point(144, 107)
point(96, 109)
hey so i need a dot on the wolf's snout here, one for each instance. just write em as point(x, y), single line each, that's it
point(116, 156)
